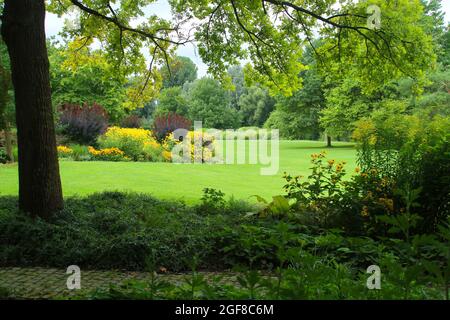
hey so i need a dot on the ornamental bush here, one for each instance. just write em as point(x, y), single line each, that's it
point(208, 145)
point(130, 140)
point(82, 124)
point(168, 123)
point(132, 121)
point(414, 153)
point(153, 151)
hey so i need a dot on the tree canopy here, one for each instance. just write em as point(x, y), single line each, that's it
point(269, 33)
point(180, 71)
point(209, 102)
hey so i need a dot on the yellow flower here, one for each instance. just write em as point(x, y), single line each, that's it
point(357, 169)
point(64, 150)
point(384, 182)
point(330, 162)
point(365, 211)
point(153, 144)
point(167, 155)
point(105, 152)
point(387, 203)
point(135, 133)
point(339, 167)
point(93, 151)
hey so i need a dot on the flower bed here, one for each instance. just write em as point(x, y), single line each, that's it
point(132, 144)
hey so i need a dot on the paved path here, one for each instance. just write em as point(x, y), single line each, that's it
point(43, 283)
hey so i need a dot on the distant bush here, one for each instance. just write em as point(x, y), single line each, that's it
point(80, 152)
point(249, 133)
point(130, 140)
point(206, 153)
point(165, 124)
point(132, 121)
point(83, 124)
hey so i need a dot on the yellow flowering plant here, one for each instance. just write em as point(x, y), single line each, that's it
point(205, 155)
point(332, 201)
point(325, 180)
point(140, 144)
point(64, 151)
point(129, 140)
point(107, 154)
point(153, 151)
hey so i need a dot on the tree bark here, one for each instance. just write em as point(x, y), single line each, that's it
point(328, 141)
point(40, 191)
point(8, 142)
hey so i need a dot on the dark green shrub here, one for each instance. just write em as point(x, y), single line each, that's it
point(3, 156)
point(413, 153)
point(112, 230)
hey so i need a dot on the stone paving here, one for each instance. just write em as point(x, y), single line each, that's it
point(44, 283)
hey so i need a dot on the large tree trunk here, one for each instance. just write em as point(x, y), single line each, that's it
point(8, 142)
point(23, 30)
point(328, 141)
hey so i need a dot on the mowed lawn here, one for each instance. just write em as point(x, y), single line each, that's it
point(186, 181)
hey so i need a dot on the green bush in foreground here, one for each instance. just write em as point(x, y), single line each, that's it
point(113, 230)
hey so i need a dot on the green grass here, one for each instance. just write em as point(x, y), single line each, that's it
point(185, 181)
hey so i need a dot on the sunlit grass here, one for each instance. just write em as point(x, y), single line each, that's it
point(186, 181)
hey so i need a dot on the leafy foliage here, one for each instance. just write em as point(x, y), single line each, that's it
point(172, 100)
point(255, 106)
point(113, 230)
point(166, 124)
point(129, 140)
point(180, 70)
point(80, 76)
point(132, 121)
point(83, 124)
point(414, 152)
point(297, 117)
point(209, 102)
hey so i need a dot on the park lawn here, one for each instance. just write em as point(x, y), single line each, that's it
point(186, 181)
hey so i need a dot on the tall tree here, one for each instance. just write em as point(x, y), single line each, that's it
point(209, 102)
point(40, 191)
point(297, 116)
point(172, 100)
point(6, 105)
point(255, 106)
point(180, 71)
point(80, 75)
point(236, 75)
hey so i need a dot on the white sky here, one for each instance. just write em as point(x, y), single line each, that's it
point(53, 26)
